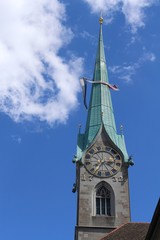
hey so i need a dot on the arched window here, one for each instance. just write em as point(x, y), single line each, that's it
point(103, 201)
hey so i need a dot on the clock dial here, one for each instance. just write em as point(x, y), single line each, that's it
point(102, 161)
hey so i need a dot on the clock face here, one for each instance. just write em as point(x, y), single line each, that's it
point(102, 161)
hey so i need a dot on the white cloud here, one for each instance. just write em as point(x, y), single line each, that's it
point(133, 10)
point(126, 72)
point(86, 35)
point(147, 56)
point(35, 80)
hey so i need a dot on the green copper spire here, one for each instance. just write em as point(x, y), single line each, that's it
point(100, 112)
point(100, 107)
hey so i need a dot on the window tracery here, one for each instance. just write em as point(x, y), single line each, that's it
point(103, 201)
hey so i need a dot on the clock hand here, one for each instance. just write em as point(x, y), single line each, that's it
point(97, 168)
point(110, 162)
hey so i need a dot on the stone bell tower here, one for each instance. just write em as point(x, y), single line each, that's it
point(101, 162)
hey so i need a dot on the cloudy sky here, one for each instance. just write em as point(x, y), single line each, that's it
point(45, 47)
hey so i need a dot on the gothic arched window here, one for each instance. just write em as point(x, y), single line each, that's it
point(103, 201)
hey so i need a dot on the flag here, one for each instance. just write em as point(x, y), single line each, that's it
point(84, 90)
point(113, 87)
point(83, 82)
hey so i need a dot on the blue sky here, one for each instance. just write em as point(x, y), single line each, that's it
point(45, 47)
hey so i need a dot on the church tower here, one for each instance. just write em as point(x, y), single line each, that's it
point(102, 162)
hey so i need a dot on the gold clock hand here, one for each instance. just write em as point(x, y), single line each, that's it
point(97, 168)
point(110, 160)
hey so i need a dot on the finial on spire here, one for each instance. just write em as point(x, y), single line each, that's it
point(121, 129)
point(101, 20)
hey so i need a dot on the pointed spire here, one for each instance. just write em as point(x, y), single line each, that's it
point(100, 111)
point(100, 70)
point(100, 100)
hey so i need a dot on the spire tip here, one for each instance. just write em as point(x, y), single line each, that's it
point(101, 20)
